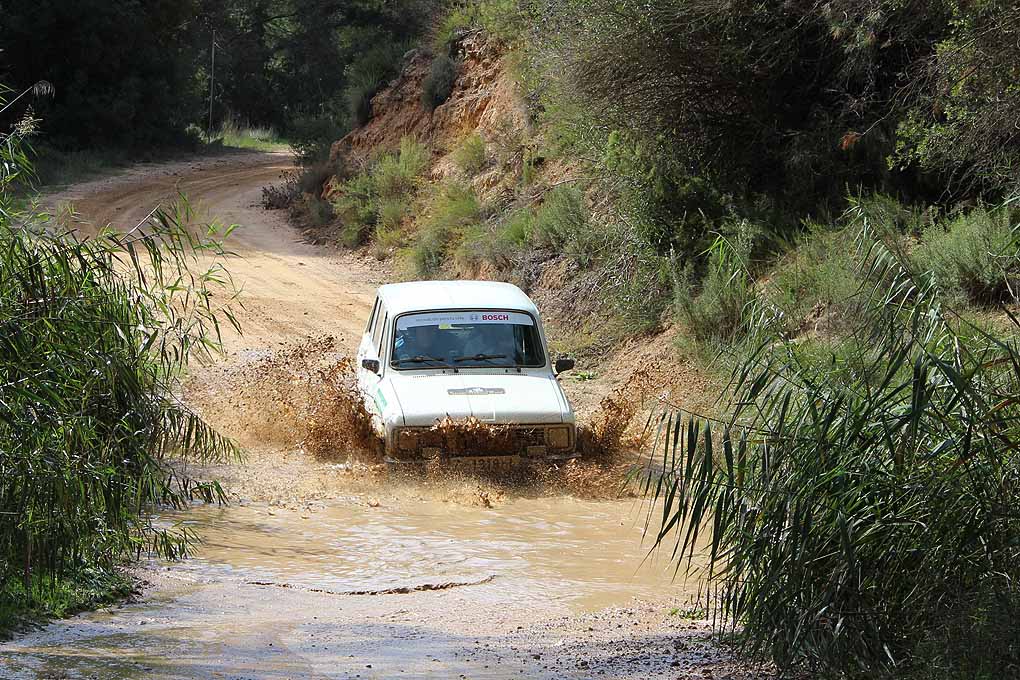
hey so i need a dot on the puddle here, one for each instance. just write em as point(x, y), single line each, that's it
point(583, 555)
point(529, 561)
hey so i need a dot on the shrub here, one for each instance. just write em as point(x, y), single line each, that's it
point(817, 279)
point(672, 210)
point(470, 157)
point(356, 209)
point(438, 85)
point(282, 196)
point(311, 179)
point(313, 136)
point(859, 511)
point(716, 312)
point(502, 19)
point(320, 212)
point(476, 245)
point(234, 133)
point(91, 424)
point(381, 195)
point(458, 19)
point(974, 254)
point(560, 216)
point(645, 292)
point(388, 229)
point(396, 175)
point(499, 18)
point(387, 241)
point(392, 212)
point(450, 212)
point(518, 227)
point(367, 75)
point(562, 224)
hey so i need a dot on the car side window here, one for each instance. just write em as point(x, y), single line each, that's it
point(371, 318)
point(377, 334)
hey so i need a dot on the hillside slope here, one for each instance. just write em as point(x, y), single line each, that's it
point(485, 102)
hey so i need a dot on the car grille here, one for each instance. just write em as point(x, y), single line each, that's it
point(471, 441)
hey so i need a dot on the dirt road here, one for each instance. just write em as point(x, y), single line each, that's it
point(320, 571)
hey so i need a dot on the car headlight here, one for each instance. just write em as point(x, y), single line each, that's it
point(558, 437)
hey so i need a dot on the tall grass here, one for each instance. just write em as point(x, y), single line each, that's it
point(238, 135)
point(861, 510)
point(93, 336)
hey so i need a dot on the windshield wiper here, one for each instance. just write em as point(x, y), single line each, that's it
point(421, 360)
point(480, 357)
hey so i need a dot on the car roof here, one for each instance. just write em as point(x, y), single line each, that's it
point(416, 296)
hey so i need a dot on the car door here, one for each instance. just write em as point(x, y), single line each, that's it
point(364, 347)
point(371, 349)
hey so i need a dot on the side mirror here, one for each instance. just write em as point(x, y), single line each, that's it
point(370, 365)
point(563, 364)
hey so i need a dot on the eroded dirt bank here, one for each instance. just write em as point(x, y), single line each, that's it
point(316, 570)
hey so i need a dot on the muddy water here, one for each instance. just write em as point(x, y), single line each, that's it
point(353, 588)
point(574, 555)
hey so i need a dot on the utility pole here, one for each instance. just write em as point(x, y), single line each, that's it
point(212, 83)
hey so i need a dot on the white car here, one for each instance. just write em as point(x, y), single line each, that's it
point(457, 349)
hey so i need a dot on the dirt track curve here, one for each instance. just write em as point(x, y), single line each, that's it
point(314, 572)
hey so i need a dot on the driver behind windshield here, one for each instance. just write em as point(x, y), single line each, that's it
point(418, 341)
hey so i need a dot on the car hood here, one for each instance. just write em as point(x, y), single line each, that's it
point(492, 398)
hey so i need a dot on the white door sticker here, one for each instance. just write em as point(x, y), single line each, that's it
point(469, 318)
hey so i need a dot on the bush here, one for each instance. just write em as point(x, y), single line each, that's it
point(499, 18)
point(367, 75)
point(313, 136)
point(233, 133)
point(859, 510)
point(477, 244)
point(470, 156)
point(91, 424)
point(457, 20)
point(645, 292)
point(450, 212)
point(562, 224)
point(356, 209)
point(392, 212)
point(518, 227)
point(389, 237)
point(396, 175)
point(672, 210)
point(320, 212)
point(311, 179)
point(438, 85)
point(816, 282)
point(388, 229)
point(282, 196)
point(381, 195)
point(974, 255)
point(716, 312)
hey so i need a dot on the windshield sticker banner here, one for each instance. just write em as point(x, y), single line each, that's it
point(448, 319)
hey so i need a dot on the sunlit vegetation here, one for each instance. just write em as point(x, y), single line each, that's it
point(860, 495)
point(94, 334)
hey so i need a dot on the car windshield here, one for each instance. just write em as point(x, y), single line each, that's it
point(466, 339)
